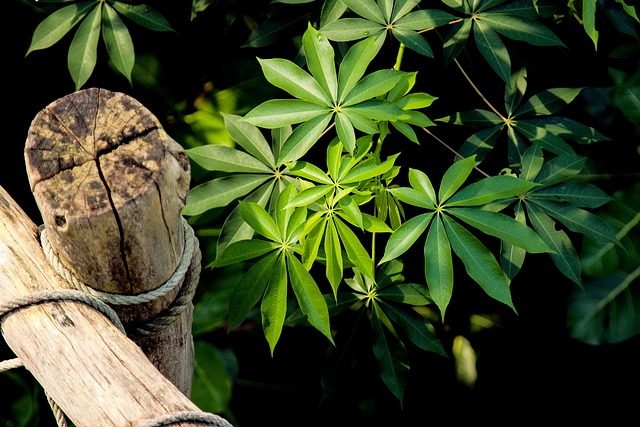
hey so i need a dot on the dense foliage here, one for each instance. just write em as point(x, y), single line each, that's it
point(379, 186)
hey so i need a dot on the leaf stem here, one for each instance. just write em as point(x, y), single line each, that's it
point(475, 88)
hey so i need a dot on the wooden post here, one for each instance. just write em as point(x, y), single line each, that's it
point(94, 373)
point(110, 185)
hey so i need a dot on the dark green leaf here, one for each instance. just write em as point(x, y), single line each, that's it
point(489, 189)
point(250, 289)
point(454, 177)
point(480, 264)
point(274, 303)
point(493, 49)
point(118, 42)
point(243, 250)
point(144, 15)
point(580, 194)
point(309, 297)
point(83, 51)
point(405, 236)
point(417, 328)
point(438, 265)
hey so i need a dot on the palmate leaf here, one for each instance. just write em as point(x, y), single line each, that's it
point(250, 289)
point(489, 189)
point(320, 60)
point(118, 42)
point(520, 28)
point(83, 50)
point(353, 66)
point(54, 27)
point(417, 328)
point(349, 29)
point(225, 159)
point(221, 192)
point(492, 49)
point(503, 227)
point(391, 355)
point(559, 169)
point(405, 236)
point(355, 251)
point(309, 297)
point(565, 256)
point(258, 218)
point(412, 294)
point(274, 303)
point(289, 77)
point(243, 250)
point(454, 177)
point(512, 256)
point(578, 220)
point(333, 256)
point(303, 138)
point(438, 265)
point(579, 194)
point(276, 113)
point(480, 264)
point(250, 138)
point(143, 15)
point(547, 102)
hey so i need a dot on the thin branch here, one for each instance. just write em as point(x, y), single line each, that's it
point(453, 151)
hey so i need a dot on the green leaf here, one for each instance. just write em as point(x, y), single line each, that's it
point(493, 49)
point(378, 109)
point(220, 192)
point(420, 20)
point(392, 357)
point(579, 221)
point(480, 264)
point(515, 89)
point(371, 86)
point(413, 41)
point(560, 168)
point(356, 253)
point(421, 182)
point(547, 102)
point(320, 60)
point(310, 195)
point(258, 218)
point(333, 257)
point(368, 9)
point(417, 328)
point(489, 189)
point(118, 42)
point(412, 197)
point(454, 177)
point(309, 297)
point(144, 15)
point(225, 159)
point(511, 256)
point(521, 29)
point(250, 289)
point(580, 194)
point(438, 265)
point(455, 39)
point(503, 227)
point(311, 242)
point(276, 113)
point(309, 171)
point(250, 138)
point(406, 293)
point(353, 66)
point(294, 80)
point(303, 138)
point(564, 256)
point(532, 161)
point(234, 228)
point(473, 118)
point(481, 143)
point(243, 250)
point(369, 169)
point(349, 29)
point(55, 26)
point(538, 134)
point(405, 236)
point(345, 131)
point(274, 303)
point(83, 51)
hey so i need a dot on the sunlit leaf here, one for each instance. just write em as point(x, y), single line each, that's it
point(118, 42)
point(274, 303)
point(220, 192)
point(438, 265)
point(55, 26)
point(83, 51)
point(405, 236)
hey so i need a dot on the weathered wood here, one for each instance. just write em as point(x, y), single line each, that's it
point(110, 185)
point(95, 373)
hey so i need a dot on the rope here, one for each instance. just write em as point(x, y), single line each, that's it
point(164, 318)
point(119, 299)
point(177, 417)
